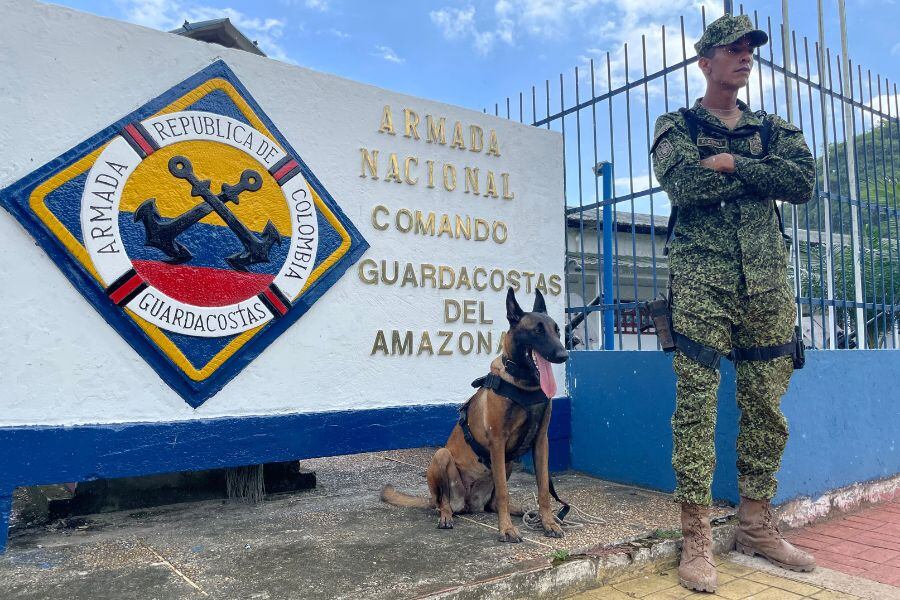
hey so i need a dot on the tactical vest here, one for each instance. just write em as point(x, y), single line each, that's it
point(707, 355)
point(695, 126)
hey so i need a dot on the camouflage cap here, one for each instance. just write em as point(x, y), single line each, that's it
point(728, 29)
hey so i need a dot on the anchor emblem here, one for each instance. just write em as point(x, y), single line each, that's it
point(163, 234)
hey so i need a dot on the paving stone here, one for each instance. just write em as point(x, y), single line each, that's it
point(740, 588)
point(803, 589)
point(775, 594)
point(673, 593)
point(733, 569)
point(604, 593)
point(644, 586)
point(832, 595)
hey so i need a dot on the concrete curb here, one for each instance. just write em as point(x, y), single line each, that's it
point(583, 571)
point(803, 511)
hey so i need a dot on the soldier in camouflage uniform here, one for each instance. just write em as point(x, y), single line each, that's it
point(723, 166)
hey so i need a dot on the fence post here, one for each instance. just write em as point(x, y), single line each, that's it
point(605, 170)
point(729, 7)
point(855, 229)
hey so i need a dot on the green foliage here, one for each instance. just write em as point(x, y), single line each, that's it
point(666, 534)
point(877, 156)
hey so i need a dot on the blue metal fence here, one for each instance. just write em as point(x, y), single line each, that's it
point(845, 257)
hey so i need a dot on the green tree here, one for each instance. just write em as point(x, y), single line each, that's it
point(877, 156)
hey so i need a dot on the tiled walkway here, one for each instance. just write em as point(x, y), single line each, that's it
point(865, 544)
point(736, 582)
point(856, 553)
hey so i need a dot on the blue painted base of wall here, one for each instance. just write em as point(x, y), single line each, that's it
point(841, 409)
point(45, 455)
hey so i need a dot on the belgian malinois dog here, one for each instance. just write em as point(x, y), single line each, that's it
point(459, 480)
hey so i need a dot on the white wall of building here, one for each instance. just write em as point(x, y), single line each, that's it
point(65, 75)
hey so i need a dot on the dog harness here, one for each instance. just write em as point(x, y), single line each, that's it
point(533, 402)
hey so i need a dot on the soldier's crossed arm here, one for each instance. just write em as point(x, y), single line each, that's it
point(676, 162)
point(787, 172)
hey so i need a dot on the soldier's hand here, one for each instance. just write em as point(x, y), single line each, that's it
point(723, 163)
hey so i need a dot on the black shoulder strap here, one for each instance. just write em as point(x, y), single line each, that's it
point(690, 121)
point(670, 228)
point(765, 132)
point(483, 454)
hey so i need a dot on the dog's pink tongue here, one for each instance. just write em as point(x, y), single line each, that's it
point(548, 383)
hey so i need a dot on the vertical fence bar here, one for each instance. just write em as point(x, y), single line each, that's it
point(602, 329)
point(877, 214)
point(562, 121)
point(609, 340)
point(892, 118)
point(809, 271)
point(795, 209)
point(887, 206)
point(828, 287)
point(862, 330)
point(612, 216)
point(868, 225)
point(634, 259)
point(584, 298)
point(649, 180)
point(840, 201)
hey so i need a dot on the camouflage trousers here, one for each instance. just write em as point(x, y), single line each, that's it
point(723, 317)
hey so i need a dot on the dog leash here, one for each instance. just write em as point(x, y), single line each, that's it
point(561, 515)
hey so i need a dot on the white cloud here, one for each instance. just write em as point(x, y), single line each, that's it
point(387, 54)
point(341, 35)
point(628, 21)
point(459, 24)
point(606, 20)
point(454, 23)
point(543, 19)
point(319, 5)
point(171, 14)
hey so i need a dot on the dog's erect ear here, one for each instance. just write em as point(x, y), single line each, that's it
point(539, 305)
point(514, 312)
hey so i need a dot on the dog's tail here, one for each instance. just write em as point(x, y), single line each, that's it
point(392, 496)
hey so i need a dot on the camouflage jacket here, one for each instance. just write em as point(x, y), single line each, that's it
point(729, 218)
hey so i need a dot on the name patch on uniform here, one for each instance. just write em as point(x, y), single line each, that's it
point(193, 227)
point(705, 140)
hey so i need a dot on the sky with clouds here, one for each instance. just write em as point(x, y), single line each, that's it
point(476, 53)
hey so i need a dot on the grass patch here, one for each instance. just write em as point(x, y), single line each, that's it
point(666, 534)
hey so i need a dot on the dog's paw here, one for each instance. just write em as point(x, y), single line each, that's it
point(511, 535)
point(553, 530)
point(445, 523)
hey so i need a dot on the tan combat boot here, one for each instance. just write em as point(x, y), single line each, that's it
point(697, 571)
point(758, 534)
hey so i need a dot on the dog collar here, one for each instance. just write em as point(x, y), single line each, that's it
point(526, 375)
